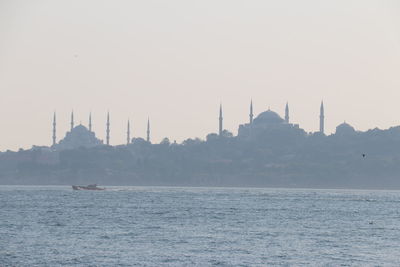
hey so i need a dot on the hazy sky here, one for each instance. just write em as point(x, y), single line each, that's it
point(175, 61)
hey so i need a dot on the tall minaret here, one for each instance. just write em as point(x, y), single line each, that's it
point(220, 120)
point(108, 129)
point(287, 112)
point(90, 121)
point(148, 130)
point(72, 120)
point(321, 118)
point(128, 133)
point(251, 112)
point(54, 128)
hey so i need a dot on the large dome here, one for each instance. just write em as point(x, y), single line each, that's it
point(344, 129)
point(268, 117)
point(80, 129)
point(78, 137)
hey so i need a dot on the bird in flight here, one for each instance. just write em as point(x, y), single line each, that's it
point(363, 155)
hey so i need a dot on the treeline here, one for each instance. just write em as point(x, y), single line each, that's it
point(277, 159)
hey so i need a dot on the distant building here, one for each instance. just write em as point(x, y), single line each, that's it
point(322, 119)
point(266, 121)
point(148, 130)
point(220, 121)
point(78, 137)
point(345, 129)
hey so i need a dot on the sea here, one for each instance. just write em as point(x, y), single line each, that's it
point(172, 226)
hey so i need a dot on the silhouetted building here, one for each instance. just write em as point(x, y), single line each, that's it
point(54, 129)
point(148, 130)
point(90, 121)
point(108, 129)
point(72, 120)
point(267, 121)
point(287, 113)
point(345, 129)
point(251, 115)
point(220, 121)
point(322, 119)
point(128, 133)
point(78, 137)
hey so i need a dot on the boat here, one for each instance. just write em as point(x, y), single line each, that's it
point(88, 187)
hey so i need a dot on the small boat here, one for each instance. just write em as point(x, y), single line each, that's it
point(88, 187)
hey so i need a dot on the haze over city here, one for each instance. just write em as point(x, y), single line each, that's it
point(176, 61)
point(199, 133)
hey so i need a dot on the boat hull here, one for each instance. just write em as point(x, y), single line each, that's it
point(80, 187)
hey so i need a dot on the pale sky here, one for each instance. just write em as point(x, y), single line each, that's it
point(175, 61)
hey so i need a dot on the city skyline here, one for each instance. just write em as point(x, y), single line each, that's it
point(130, 131)
point(185, 133)
point(176, 62)
point(147, 136)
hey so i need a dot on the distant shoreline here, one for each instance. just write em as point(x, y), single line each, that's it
point(214, 187)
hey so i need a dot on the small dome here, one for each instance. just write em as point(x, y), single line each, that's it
point(268, 117)
point(344, 128)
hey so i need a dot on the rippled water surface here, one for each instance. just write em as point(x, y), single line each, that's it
point(153, 226)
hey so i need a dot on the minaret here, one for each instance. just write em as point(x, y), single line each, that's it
point(108, 129)
point(251, 112)
point(148, 130)
point(54, 128)
point(220, 120)
point(321, 118)
point(90, 121)
point(72, 120)
point(128, 134)
point(287, 112)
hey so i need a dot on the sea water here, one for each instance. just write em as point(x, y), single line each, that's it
point(153, 226)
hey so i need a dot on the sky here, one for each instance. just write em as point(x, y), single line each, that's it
point(176, 61)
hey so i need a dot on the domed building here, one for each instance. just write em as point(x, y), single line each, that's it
point(78, 137)
point(345, 129)
point(267, 121)
point(267, 118)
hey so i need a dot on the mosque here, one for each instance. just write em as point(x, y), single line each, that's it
point(81, 136)
point(269, 121)
point(78, 136)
